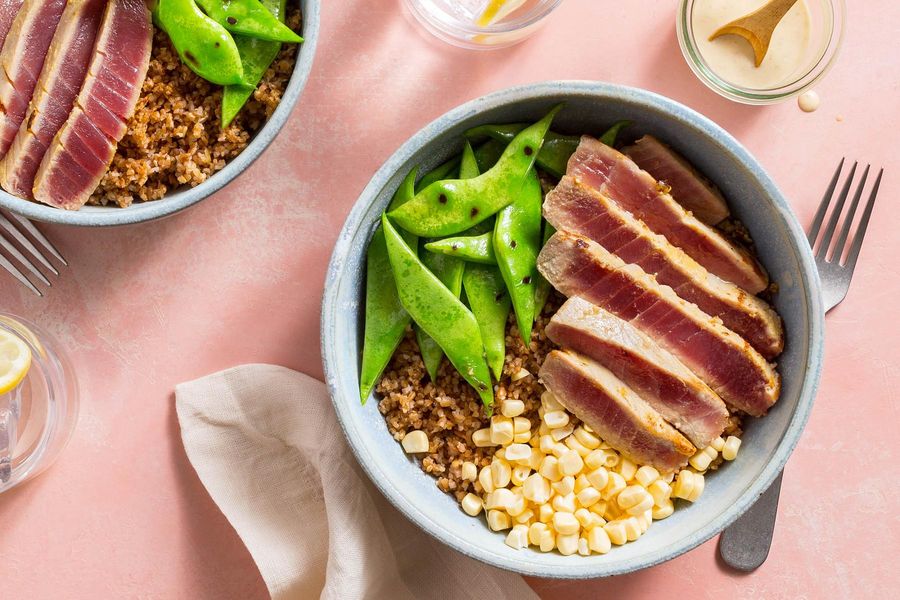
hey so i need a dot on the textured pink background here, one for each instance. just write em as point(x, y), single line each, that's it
point(239, 279)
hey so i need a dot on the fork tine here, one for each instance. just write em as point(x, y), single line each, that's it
point(823, 206)
point(29, 227)
point(863, 224)
point(8, 246)
point(15, 272)
point(835, 216)
point(26, 243)
point(848, 219)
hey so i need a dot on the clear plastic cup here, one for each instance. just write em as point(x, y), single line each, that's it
point(457, 21)
point(38, 416)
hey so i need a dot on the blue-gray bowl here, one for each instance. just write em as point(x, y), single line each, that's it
point(754, 199)
point(105, 216)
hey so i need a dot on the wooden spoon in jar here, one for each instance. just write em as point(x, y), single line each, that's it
point(757, 27)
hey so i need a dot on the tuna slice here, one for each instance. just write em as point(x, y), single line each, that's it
point(82, 150)
point(8, 11)
point(63, 73)
point(577, 266)
point(616, 175)
point(622, 418)
point(658, 377)
point(688, 186)
point(577, 208)
point(21, 59)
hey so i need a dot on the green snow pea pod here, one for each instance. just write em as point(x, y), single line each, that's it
point(250, 18)
point(203, 45)
point(468, 163)
point(440, 313)
point(541, 285)
point(554, 154)
point(517, 242)
point(609, 137)
point(386, 319)
point(488, 153)
point(489, 300)
point(451, 206)
point(449, 271)
point(471, 248)
point(442, 171)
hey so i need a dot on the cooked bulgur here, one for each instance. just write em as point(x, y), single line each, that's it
point(175, 136)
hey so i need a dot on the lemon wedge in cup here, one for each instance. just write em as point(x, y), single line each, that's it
point(15, 360)
point(497, 10)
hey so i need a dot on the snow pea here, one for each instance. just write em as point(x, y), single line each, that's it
point(250, 18)
point(439, 313)
point(386, 319)
point(442, 171)
point(470, 248)
point(489, 301)
point(609, 137)
point(468, 163)
point(541, 285)
point(517, 242)
point(203, 45)
point(488, 153)
point(450, 206)
point(554, 154)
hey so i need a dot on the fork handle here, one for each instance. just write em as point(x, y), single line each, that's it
point(745, 544)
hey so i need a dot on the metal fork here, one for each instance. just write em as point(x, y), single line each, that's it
point(18, 237)
point(745, 544)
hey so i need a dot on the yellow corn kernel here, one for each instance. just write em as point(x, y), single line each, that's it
point(615, 530)
point(549, 402)
point(731, 447)
point(584, 518)
point(632, 528)
point(663, 510)
point(472, 504)
point(598, 540)
point(588, 496)
point(565, 523)
point(645, 519)
point(587, 439)
point(500, 472)
point(612, 512)
point(517, 507)
point(482, 438)
point(556, 418)
point(584, 548)
point(498, 520)
point(502, 432)
point(564, 503)
point(522, 373)
point(597, 521)
point(559, 449)
point(646, 475)
point(517, 537)
point(500, 454)
point(547, 444)
point(499, 499)
point(596, 459)
point(561, 433)
point(536, 488)
point(415, 442)
point(542, 428)
point(549, 468)
point(512, 408)
point(534, 532)
point(534, 441)
point(661, 491)
point(468, 471)
point(598, 478)
point(570, 463)
point(516, 452)
point(486, 480)
point(564, 486)
point(519, 474)
point(627, 469)
point(700, 460)
point(635, 500)
point(581, 482)
point(522, 425)
point(567, 544)
point(573, 444)
point(548, 541)
point(525, 518)
point(522, 438)
point(535, 460)
point(688, 485)
point(599, 508)
point(615, 485)
point(718, 443)
point(545, 513)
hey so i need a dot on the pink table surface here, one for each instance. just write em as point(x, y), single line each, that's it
point(239, 279)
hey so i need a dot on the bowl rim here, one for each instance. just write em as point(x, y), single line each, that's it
point(182, 199)
point(596, 90)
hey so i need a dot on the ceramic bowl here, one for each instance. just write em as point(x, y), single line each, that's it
point(754, 198)
point(102, 216)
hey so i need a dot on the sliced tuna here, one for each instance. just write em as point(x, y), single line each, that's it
point(578, 266)
point(21, 60)
point(61, 77)
point(616, 175)
point(8, 11)
point(578, 208)
point(688, 186)
point(619, 416)
point(658, 377)
point(83, 148)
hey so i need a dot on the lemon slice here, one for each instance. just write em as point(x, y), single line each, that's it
point(497, 10)
point(15, 360)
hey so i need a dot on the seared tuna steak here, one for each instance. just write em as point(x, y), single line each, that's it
point(577, 266)
point(578, 208)
point(21, 60)
point(612, 409)
point(8, 11)
point(689, 188)
point(658, 377)
point(616, 176)
point(82, 150)
point(61, 78)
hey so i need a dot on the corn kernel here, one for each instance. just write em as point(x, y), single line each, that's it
point(661, 491)
point(486, 480)
point(615, 530)
point(613, 512)
point(581, 482)
point(718, 443)
point(570, 463)
point(534, 441)
point(573, 444)
point(700, 460)
point(415, 442)
point(627, 469)
point(635, 500)
point(547, 443)
point(584, 518)
point(549, 402)
point(502, 432)
point(535, 531)
point(556, 418)
point(500, 472)
point(731, 447)
point(663, 510)
point(525, 518)
point(472, 504)
point(587, 439)
point(688, 485)
point(522, 373)
point(522, 438)
point(598, 540)
point(598, 508)
point(646, 475)
point(482, 438)
point(542, 428)
point(519, 474)
point(615, 485)
point(549, 468)
point(517, 537)
point(711, 452)
point(512, 408)
point(597, 521)
point(548, 541)
point(596, 459)
point(545, 513)
point(559, 449)
point(598, 478)
point(564, 503)
point(583, 548)
point(567, 544)
point(517, 507)
point(536, 488)
point(499, 499)
point(588, 496)
point(535, 460)
point(561, 433)
point(516, 452)
point(564, 486)
point(500, 454)
point(469, 472)
point(565, 523)
point(632, 528)
point(644, 520)
point(498, 520)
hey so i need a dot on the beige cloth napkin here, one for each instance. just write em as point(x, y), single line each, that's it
point(266, 444)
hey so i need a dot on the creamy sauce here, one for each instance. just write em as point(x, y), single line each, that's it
point(808, 101)
point(731, 57)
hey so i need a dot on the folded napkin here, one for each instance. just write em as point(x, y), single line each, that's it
point(266, 444)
